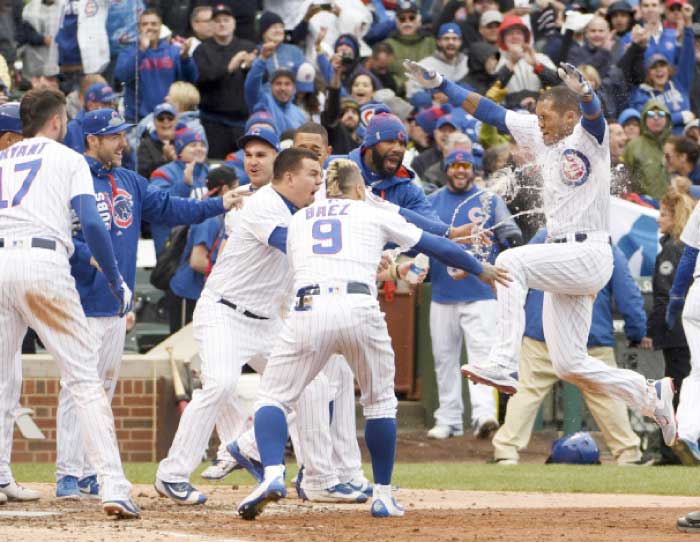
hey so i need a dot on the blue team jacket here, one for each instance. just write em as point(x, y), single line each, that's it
point(235, 162)
point(666, 45)
point(677, 91)
point(445, 288)
point(171, 178)
point(74, 133)
point(122, 205)
point(286, 116)
point(158, 69)
point(399, 189)
point(621, 288)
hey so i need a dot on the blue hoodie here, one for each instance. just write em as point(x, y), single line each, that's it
point(665, 46)
point(286, 56)
point(399, 189)
point(75, 139)
point(158, 69)
point(676, 93)
point(122, 205)
point(621, 288)
point(286, 116)
point(171, 179)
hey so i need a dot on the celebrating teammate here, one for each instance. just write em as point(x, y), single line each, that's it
point(42, 181)
point(124, 198)
point(334, 247)
point(569, 138)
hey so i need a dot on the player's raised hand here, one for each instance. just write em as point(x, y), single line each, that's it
point(123, 294)
point(574, 79)
point(464, 234)
point(493, 275)
point(230, 200)
point(425, 78)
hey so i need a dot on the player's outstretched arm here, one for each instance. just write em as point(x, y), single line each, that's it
point(473, 103)
point(461, 234)
point(593, 120)
point(681, 282)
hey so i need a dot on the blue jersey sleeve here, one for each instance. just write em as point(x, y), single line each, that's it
point(278, 239)
point(424, 223)
point(449, 253)
point(159, 207)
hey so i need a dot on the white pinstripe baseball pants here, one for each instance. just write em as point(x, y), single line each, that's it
point(570, 274)
point(10, 391)
point(70, 455)
point(39, 291)
point(688, 413)
point(452, 324)
point(348, 324)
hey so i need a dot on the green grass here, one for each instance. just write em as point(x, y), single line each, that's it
point(469, 476)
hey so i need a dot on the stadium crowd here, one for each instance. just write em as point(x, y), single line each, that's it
point(216, 90)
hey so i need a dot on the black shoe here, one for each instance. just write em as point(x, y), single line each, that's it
point(690, 523)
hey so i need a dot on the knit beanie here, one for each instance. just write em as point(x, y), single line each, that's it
point(384, 127)
point(184, 137)
point(267, 19)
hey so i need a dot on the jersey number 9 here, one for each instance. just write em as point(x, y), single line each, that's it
point(327, 231)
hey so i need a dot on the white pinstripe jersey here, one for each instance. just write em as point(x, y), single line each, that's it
point(343, 240)
point(251, 273)
point(576, 173)
point(691, 235)
point(38, 179)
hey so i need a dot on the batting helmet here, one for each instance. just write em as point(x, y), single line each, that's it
point(577, 449)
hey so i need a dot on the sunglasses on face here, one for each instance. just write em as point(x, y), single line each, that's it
point(461, 165)
point(654, 114)
point(407, 18)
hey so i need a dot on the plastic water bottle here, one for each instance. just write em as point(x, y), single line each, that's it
point(419, 265)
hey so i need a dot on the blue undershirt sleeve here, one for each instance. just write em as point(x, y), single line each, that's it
point(425, 224)
point(684, 272)
point(593, 120)
point(449, 253)
point(278, 239)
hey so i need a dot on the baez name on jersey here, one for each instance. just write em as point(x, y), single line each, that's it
point(331, 209)
point(16, 151)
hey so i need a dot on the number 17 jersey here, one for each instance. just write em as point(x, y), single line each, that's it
point(342, 240)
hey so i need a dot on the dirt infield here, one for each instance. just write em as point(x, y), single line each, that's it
point(432, 515)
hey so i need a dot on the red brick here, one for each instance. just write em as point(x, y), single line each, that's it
point(136, 446)
point(138, 387)
point(118, 388)
point(131, 423)
point(139, 457)
point(45, 400)
point(116, 400)
point(38, 445)
point(43, 412)
point(40, 387)
point(28, 387)
point(44, 457)
point(53, 386)
point(126, 386)
point(22, 457)
point(18, 445)
point(123, 435)
point(143, 400)
point(141, 435)
point(120, 412)
point(142, 412)
point(45, 423)
point(149, 387)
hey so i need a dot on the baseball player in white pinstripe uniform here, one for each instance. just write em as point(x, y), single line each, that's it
point(334, 247)
point(569, 139)
point(42, 181)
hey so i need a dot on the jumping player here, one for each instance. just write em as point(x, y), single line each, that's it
point(334, 247)
point(124, 198)
point(42, 181)
point(568, 136)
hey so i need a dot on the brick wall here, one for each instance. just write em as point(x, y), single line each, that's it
point(145, 417)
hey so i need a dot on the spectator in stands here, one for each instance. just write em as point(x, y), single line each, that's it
point(159, 65)
point(236, 160)
point(465, 310)
point(223, 62)
point(470, 25)
point(202, 24)
point(644, 155)
point(379, 64)
point(75, 101)
point(482, 63)
point(630, 120)
point(98, 96)
point(531, 70)
point(673, 15)
point(42, 18)
point(278, 53)
point(347, 48)
point(670, 84)
point(341, 117)
point(681, 155)
point(674, 211)
point(618, 140)
point(156, 147)
point(279, 99)
point(408, 42)
point(122, 30)
point(446, 59)
point(692, 130)
point(489, 23)
point(661, 40)
point(620, 16)
point(445, 125)
point(204, 242)
point(184, 177)
point(536, 375)
point(363, 85)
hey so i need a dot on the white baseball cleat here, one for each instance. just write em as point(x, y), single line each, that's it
point(384, 504)
point(269, 490)
point(663, 390)
point(442, 431)
point(220, 469)
point(15, 492)
point(3, 498)
point(122, 509)
point(341, 493)
point(492, 375)
point(180, 492)
point(363, 485)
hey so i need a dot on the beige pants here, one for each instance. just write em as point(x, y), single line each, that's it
point(536, 378)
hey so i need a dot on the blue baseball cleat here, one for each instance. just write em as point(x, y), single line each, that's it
point(89, 487)
point(254, 467)
point(363, 485)
point(67, 488)
point(180, 492)
point(122, 509)
point(270, 490)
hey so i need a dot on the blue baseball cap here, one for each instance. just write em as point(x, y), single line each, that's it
point(261, 117)
point(9, 118)
point(184, 137)
point(458, 156)
point(655, 59)
point(449, 28)
point(629, 114)
point(100, 93)
point(261, 134)
point(165, 107)
point(104, 122)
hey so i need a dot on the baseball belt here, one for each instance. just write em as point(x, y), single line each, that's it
point(241, 310)
point(34, 242)
point(579, 237)
point(305, 294)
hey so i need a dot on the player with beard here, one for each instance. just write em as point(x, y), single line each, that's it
point(465, 310)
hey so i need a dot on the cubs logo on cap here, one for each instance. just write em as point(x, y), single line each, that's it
point(104, 122)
